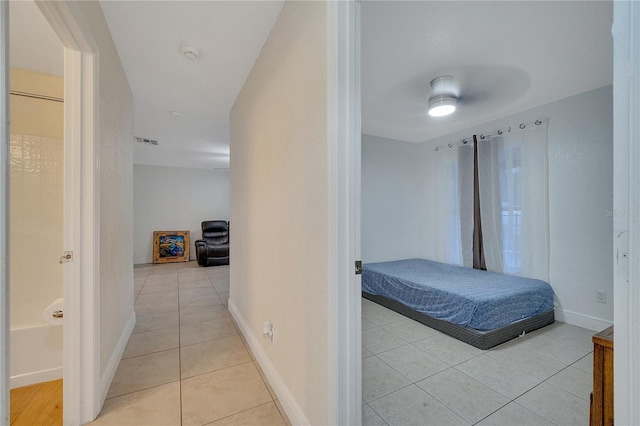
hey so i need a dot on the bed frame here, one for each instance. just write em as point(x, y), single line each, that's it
point(479, 339)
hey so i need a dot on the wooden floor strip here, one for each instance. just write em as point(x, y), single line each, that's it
point(39, 404)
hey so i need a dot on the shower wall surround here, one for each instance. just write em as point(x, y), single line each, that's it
point(36, 190)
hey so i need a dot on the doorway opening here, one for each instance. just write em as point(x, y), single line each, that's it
point(36, 167)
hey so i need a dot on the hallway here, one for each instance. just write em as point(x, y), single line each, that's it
point(186, 362)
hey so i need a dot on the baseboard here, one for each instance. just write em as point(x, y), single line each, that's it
point(581, 320)
point(288, 402)
point(35, 377)
point(110, 372)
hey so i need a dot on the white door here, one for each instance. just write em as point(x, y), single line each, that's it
point(626, 157)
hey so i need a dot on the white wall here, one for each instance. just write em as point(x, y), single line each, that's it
point(116, 186)
point(279, 210)
point(175, 199)
point(390, 189)
point(580, 194)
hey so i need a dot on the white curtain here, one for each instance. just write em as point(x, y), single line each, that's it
point(448, 180)
point(513, 177)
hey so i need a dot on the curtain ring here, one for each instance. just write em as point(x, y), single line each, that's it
point(436, 149)
point(509, 129)
point(522, 125)
point(450, 145)
point(538, 122)
point(499, 132)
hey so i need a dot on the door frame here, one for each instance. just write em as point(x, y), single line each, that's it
point(81, 282)
point(626, 225)
point(343, 131)
point(4, 215)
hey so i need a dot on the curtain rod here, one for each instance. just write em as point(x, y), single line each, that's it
point(485, 136)
point(34, 96)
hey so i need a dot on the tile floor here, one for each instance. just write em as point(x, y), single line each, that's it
point(186, 362)
point(414, 375)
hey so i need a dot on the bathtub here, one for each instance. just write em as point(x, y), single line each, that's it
point(36, 354)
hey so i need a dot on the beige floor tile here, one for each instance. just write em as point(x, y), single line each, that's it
point(157, 298)
point(382, 316)
point(163, 306)
point(370, 417)
point(142, 372)
point(159, 289)
point(148, 320)
point(266, 382)
point(378, 340)
point(378, 379)
point(410, 330)
point(222, 393)
point(585, 363)
point(206, 330)
point(159, 405)
point(465, 396)
point(282, 413)
point(574, 381)
point(152, 341)
point(533, 364)
point(195, 302)
point(556, 405)
point(514, 414)
point(267, 415)
point(212, 355)
point(197, 291)
point(413, 406)
point(200, 314)
point(447, 349)
point(412, 363)
point(195, 284)
point(509, 381)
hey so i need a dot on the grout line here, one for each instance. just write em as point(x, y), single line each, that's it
point(143, 389)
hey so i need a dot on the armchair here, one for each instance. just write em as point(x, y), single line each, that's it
point(213, 248)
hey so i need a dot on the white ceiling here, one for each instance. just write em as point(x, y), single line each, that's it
point(148, 36)
point(34, 45)
point(506, 56)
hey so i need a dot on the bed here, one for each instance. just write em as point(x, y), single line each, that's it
point(480, 308)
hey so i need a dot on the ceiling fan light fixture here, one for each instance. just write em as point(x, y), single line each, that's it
point(441, 105)
point(190, 52)
point(442, 101)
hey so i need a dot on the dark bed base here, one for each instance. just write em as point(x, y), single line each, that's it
point(479, 339)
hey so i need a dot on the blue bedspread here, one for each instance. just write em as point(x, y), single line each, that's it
point(476, 299)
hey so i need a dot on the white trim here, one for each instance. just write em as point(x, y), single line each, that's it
point(288, 402)
point(626, 198)
point(112, 366)
point(581, 320)
point(4, 214)
point(343, 130)
point(81, 337)
point(36, 377)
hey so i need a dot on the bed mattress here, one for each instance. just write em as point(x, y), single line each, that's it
point(479, 300)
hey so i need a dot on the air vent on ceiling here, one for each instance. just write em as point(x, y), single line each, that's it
point(145, 140)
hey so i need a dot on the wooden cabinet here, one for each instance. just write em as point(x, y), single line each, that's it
point(602, 396)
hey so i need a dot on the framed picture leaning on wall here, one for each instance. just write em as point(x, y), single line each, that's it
point(170, 246)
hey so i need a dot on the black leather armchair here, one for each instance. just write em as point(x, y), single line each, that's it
point(213, 248)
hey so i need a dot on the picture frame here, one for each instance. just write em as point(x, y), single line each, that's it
point(170, 246)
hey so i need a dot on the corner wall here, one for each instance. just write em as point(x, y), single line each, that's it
point(175, 199)
point(116, 188)
point(580, 200)
point(279, 210)
point(390, 199)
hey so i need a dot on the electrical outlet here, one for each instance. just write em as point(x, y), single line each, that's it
point(267, 331)
point(601, 296)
